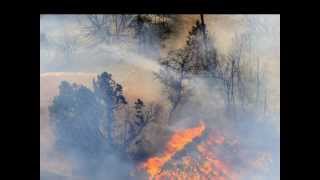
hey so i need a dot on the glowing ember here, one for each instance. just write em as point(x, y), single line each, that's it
point(176, 143)
point(200, 164)
point(218, 155)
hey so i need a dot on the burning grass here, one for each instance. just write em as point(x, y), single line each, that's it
point(176, 143)
point(200, 162)
point(201, 153)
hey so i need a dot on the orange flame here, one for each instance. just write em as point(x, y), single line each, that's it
point(176, 143)
point(202, 165)
point(215, 157)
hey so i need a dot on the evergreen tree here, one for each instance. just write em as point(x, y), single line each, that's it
point(77, 115)
point(176, 69)
point(197, 57)
point(200, 50)
point(84, 119)
point(150, 31)
point(111, 96)
point(139, 121)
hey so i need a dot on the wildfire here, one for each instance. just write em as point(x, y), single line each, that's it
point(216, 155)
point(202, 163)
point(176, 143)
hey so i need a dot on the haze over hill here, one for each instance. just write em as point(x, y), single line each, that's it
point(135, 71)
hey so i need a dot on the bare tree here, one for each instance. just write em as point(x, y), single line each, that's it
point(107, 28)
point(148, 29)
point(98, 28)
point(242, 89)
point(231, 74)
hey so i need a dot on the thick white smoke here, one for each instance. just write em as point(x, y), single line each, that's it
point(66, 54)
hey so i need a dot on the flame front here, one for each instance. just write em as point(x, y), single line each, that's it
point(217, 155)
point(202, 165)
point(176, 143)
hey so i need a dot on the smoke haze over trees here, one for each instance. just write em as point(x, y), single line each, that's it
point(115, 87)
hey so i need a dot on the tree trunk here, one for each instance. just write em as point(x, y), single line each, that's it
point(179, 92)
point(208, 62)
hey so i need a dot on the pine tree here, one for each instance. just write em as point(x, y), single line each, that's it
point(138, 122)
point(176, 69)
point(198, 57)
point(76, 115)
point(200, 50)
point(111, 96)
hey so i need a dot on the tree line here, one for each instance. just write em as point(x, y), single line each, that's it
point(86, 120)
